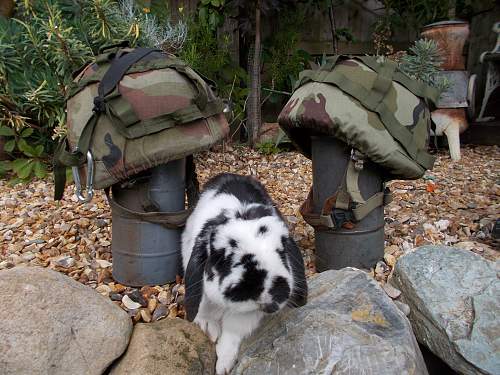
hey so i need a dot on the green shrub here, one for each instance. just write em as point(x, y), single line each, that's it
point(211, 57)
point(423, 63)
point(41, 46)
point(282, 58)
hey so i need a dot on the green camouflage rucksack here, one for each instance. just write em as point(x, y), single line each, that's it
point(131, 110)
point(381, 113)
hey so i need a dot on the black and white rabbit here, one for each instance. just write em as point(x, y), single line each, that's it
point(240, 262)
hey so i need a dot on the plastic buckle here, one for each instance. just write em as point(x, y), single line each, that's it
point(99, 105)
point(90, 180)
point(339, 217)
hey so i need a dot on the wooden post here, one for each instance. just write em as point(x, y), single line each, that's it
point(254, 110)
point(6, 7)
point(333, 28)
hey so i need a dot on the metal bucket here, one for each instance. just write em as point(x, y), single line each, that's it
point(145, 253)
point(363, 245)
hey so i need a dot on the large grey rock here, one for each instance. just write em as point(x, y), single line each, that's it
point(54, 325)
point(454, 296)
point(169, 346)
point(349, 326)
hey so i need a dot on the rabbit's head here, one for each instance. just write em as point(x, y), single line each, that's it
point(252, 263)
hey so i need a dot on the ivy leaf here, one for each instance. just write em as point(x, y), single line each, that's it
point(203, 14)
point(27, 149)
point(26, 170)
point(214, 20)
point(18, 164)
point(6, 131)
point(9, 145)
point(26, 132)
point(39, 150)
point(40, 169)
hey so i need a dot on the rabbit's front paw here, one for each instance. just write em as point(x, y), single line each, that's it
point(224, 365)
point(213, 330)
point(227, 352)
point(209, 327)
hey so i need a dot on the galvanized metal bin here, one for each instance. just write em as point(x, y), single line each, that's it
point(363, 245)
point(145, 253)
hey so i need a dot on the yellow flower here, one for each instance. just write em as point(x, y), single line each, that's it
point(146, 10)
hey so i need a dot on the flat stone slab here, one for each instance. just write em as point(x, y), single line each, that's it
point(169, 346)
point(349, 326)
point(454, 297)
point(54, 325)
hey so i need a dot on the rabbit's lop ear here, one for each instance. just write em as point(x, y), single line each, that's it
point(299, 289)
point(193, 279)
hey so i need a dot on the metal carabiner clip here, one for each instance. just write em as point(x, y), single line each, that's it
point(90, 180)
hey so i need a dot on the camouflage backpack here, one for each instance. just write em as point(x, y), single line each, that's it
point(133, 109)
point(370, 105)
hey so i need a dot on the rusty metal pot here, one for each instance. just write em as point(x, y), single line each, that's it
point(450, 37)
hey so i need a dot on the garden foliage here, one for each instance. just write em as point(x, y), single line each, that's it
point(423, 63)
point(41, 46)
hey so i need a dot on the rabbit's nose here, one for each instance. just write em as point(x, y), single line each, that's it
point(270, 308)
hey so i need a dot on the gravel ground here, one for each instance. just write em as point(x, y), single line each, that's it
point(455, 204)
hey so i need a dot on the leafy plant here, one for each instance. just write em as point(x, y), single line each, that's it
point(423, 63)
point(210, 56)
point(41, 46)
point(282, 58)
point(211, 13)
point(268, 148)
point(29, 161)
point(249, 18)
point(414, 14)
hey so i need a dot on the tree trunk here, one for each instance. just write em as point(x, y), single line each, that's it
point(254, 110)
point(333, 28)
point(6, 7)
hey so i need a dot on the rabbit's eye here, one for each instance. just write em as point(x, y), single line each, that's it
point(263, 229)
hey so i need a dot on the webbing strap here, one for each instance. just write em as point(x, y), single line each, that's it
point(315, 220)
point(171, 220)
point(418, 88)
point(347, 198)
point(360, 207)
point(153, 125)
point(363, 209)
point(351, 182)
point(118, 69)
point(330, 63)
point(381, 85)
point(113, 76)
point(342, 196)
point(164, 62)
